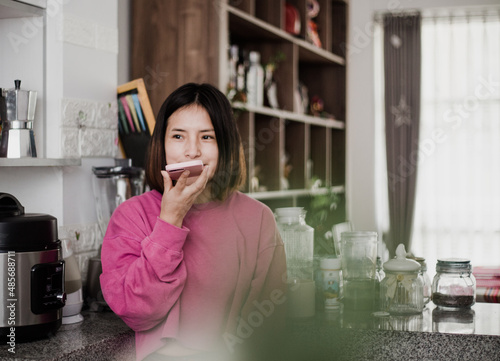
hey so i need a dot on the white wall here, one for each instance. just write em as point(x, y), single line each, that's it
point(361, 147)
point(79, 94)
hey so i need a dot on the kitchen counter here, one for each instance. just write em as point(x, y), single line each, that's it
point(433, 335)
point(101, 336)
point(473, 335)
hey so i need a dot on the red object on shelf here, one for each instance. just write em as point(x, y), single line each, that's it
point(292, 19)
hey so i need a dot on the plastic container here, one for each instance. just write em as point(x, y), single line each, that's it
point(402, 289)
point(331, 280)
point(454, 285)
point(298, 238)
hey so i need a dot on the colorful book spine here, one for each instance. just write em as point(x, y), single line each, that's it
point(122, 120)
point(133, 112)
point(127, 113)
point(138, 109)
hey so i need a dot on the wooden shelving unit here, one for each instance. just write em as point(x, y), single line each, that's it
point(289, 150)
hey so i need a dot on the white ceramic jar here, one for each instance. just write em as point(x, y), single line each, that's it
point(401, 291)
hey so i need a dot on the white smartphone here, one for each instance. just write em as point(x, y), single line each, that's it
point(175, 170)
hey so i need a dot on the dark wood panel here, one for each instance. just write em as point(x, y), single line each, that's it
point(271, 12)
point(172, 43)
point(247, 6)
point(318, 153)
point(295, 149)
point(268, 151)
point(338, 29)
point(244, 121)
point(338, 161)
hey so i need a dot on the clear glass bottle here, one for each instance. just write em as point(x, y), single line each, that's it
point(401, 291)
point(298, 239)
point(454, 285)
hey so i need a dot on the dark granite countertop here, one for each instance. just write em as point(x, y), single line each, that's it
point(100, 336)
point(472, 334)
point(433, 335)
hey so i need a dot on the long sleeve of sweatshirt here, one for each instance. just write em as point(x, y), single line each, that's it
point(143, 271)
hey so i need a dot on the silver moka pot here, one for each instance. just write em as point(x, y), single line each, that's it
point(17, 111)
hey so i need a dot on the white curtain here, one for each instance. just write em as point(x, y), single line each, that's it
point(457, 210)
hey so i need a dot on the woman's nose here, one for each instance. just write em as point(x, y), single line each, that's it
point(193, 149)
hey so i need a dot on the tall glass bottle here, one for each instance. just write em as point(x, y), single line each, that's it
point(298, 238)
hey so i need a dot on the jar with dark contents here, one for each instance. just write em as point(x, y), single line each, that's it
point(454, 285)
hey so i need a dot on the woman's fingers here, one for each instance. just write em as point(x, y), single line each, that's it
point(167, 181)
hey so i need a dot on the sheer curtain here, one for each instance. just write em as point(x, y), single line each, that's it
point(457, 210)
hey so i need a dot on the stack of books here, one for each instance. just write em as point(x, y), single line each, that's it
point(487, 284)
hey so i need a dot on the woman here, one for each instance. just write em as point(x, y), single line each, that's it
point(194, 266)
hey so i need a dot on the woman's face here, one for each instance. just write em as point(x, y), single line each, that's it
point(190, 135)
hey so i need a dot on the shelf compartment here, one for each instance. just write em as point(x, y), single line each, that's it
point(248, 26)
point(245, 124)
point(318, 141)
point(338, 157)
point(269, 148)
point(269, 51)
point(294, 162)
point(327, 82)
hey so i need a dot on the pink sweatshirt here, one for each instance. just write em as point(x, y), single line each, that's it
point(194, 283)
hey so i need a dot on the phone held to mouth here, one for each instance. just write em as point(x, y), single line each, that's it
point(175, 170)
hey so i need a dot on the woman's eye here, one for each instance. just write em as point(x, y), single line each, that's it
point(206, 137)
point(177, 136)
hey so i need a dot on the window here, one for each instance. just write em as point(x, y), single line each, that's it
point(457, 210)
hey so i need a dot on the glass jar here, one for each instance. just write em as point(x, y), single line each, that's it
point(402, 289)
point(426, 279)
point(298, 239)
point(454, 285)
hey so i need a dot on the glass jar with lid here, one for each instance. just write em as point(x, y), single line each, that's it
point(454, 285)
point(401, 291)
point(298, 239)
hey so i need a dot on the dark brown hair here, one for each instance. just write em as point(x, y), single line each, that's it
point(230, 173)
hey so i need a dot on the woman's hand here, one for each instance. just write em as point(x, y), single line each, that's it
point(177, 201)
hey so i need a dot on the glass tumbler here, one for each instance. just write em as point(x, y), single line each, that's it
point(359, 265)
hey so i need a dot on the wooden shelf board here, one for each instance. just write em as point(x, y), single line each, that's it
point(39, 162)
point(294, 193)
point(12, 9)
point(308, 119)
